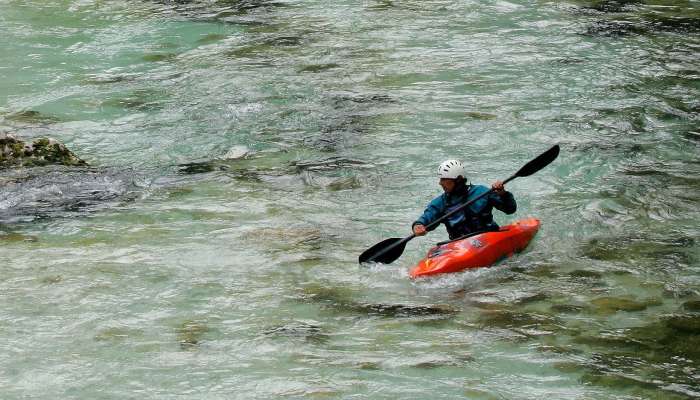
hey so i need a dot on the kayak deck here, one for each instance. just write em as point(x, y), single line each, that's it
point(477, 251)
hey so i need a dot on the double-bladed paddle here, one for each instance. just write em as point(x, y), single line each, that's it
point(387, 251)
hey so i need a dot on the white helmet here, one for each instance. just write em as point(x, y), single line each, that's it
point(451, 169)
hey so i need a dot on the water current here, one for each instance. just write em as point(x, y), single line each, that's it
point(244, 153)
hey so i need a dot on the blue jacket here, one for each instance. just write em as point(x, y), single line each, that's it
point(475, 218)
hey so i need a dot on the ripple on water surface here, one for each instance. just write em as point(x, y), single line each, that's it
point(244, 153)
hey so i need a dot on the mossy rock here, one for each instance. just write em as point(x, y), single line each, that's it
point(43, 151)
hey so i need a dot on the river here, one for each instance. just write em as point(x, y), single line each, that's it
point(244, 153)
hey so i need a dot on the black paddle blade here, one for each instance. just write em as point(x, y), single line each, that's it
point(538, 163)
point(385, 252)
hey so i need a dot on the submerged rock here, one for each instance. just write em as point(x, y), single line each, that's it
point(513, 319)
point(566, 308)
point(31, 117)
point(190, 333)
point(16, 237)
point(689, 324)
point(615, 28)
point(404, 310)
point(582, 273)
point(115, 334)
point(614, 6)
point(340, 300)
point(302, 330)
point(319, 67)
point(15, 152)
point(610, 305)
point(692, 305)
point(28, 194)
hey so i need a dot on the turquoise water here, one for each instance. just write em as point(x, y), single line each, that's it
point(244, 153)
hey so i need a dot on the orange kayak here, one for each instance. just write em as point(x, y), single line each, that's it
point(477, 251)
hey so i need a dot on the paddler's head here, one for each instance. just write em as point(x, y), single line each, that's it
point(452, 176)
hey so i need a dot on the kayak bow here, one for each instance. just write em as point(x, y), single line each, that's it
point(477, 251)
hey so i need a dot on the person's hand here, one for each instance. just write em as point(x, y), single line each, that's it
point(498, 188)
point(419, 230)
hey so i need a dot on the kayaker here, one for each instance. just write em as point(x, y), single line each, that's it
point(475, 218)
